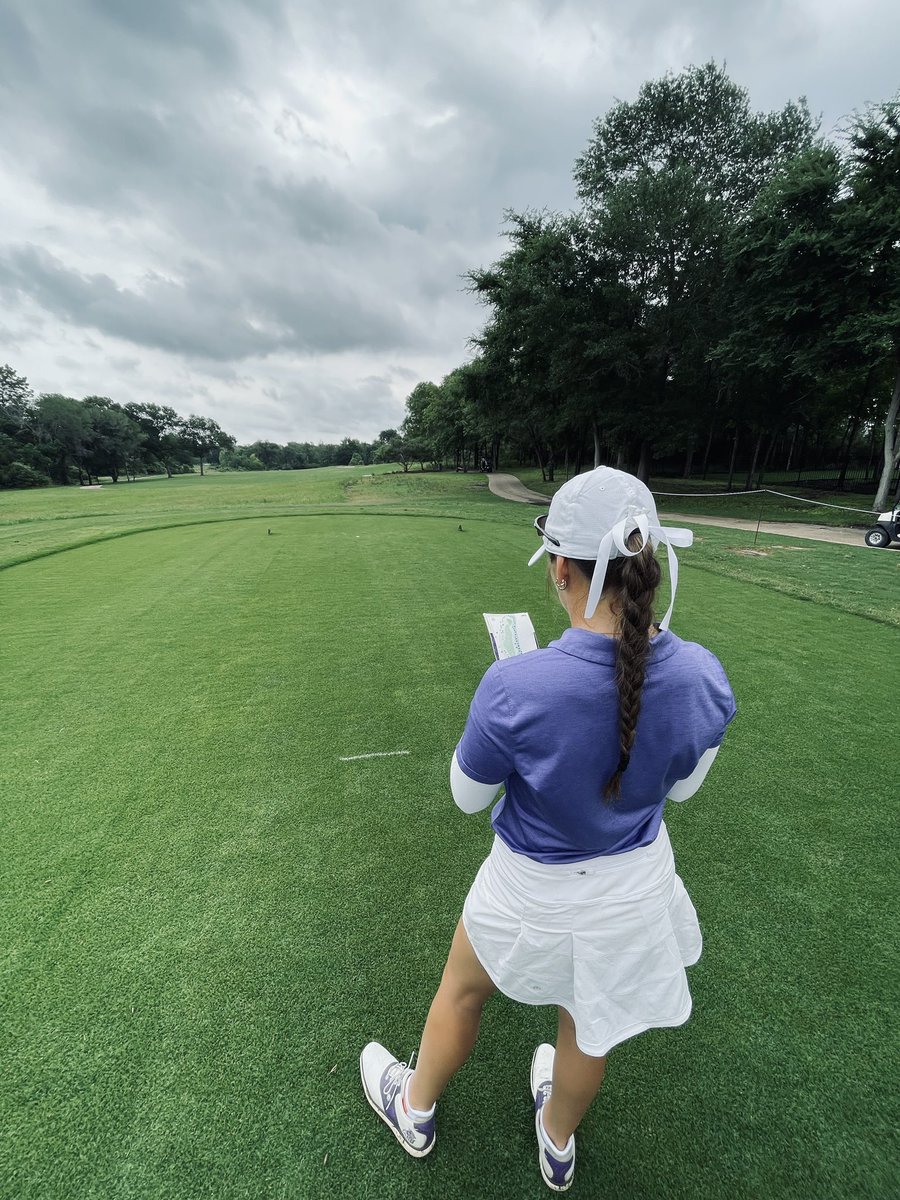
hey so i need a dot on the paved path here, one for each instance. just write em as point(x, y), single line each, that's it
point(511, 488)
point(796, 529)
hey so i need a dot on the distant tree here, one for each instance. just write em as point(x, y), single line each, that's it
point(240, 459)
point(204, 437)
point(419, 426)
point(20, 475)
point(113, 439)
point(64, 428)
point(15, 399)
point(19, 445)
point(394, 450)
point(343, 454)
point(268, 453)
point(293, 456)
point(163, 445)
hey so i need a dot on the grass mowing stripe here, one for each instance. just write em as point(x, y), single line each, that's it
point(852, 580)
point(204, 910)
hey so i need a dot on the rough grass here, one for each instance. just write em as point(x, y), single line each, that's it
point(205, 913)
point(689, 499)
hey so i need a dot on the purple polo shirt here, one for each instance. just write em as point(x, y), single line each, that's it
point(547, 723)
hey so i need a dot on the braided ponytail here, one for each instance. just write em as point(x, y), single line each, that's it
point(638, 579)
point(633, 583)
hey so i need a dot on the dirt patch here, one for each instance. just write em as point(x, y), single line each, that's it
point(752, 552)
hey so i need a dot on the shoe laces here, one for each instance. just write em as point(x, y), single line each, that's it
point(395, 1074)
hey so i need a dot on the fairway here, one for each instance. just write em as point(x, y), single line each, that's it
point(206, 912)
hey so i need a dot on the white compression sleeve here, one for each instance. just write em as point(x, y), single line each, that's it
point(685, 788)
point(470, 795)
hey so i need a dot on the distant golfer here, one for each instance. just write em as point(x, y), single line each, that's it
point(578, 904)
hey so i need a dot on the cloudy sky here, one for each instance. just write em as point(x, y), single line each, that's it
point(261, 210)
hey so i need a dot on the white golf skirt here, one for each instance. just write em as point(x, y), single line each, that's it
point(607, 939)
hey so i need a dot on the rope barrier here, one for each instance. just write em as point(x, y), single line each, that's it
point(758, 491)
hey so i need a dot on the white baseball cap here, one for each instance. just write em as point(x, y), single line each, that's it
point(593, 515)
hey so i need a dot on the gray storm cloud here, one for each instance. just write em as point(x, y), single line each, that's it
point(273, 205)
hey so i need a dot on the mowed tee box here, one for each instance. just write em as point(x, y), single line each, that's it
point(511, 633)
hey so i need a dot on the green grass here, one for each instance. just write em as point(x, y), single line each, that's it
point(42, 521)
point(205, 913)
point(748, 507)
point(37, 523)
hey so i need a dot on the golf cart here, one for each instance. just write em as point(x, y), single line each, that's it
point(885, 529)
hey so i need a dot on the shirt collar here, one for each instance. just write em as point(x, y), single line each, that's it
point(600, 648)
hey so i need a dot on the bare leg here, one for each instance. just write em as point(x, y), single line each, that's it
point(576, 1081)
point(452, 1025)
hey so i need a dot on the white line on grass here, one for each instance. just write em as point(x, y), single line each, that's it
point(377, 754)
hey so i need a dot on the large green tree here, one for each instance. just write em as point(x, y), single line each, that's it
point(786, 269)
point(870, 225)
point(663, 181)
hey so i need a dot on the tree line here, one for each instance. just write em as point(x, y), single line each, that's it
point(57, 439)
point(727, 293)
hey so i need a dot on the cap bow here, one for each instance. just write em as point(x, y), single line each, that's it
point(613, 545)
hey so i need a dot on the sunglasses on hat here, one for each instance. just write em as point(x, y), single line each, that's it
point(539, 523)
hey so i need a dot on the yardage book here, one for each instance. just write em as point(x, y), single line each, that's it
point(511, 633)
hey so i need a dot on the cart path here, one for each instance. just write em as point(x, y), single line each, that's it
point(511, 488)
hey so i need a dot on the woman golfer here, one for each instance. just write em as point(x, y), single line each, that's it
point(578, 904)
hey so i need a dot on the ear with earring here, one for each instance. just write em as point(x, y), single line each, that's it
point(561, 584)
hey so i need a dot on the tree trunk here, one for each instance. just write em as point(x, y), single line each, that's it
point(620, 459)
point(791, 450)
point(801, 450)
point(853, 426)
point(535, 441)
point(871, 454)
point(596, 444)
point(891, 448)
point(689, 457)
point(766, 457)
point(706, 452)
point(644, 461)
point(201, 464)
point(734, 446)
point(845, 462)
point(753, 463)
